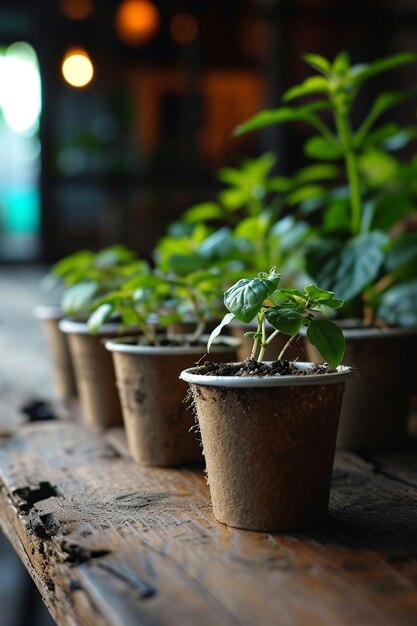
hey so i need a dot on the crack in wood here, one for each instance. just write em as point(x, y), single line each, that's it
point(377, 468)
point(76, 554)
point(28, 496)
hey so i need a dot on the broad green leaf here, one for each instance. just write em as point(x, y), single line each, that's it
point(287, 319)
point(216, 332)
point(316, 294)
point(100, 315)
point(203, 212)
point(287, 234)
point(270, 117)
point(245, 298)
point(361, 72)
point(317, 147)
point(318, 62)
point(391, 208)
point(352, 268)
point(401, 251)
point(233, 199)
point(398, 305)
point(313, 84)
point(280, 184)
point(78, 298)
point(328, 338)
point(313, 173)
point(307, 192)
point(114, 255)
point(341, 63)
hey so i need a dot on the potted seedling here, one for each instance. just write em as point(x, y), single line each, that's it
point(357, 251)
point(269, 428)
point(88, 276)
point(157, 420)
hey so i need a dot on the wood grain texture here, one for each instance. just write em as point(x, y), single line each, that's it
point(110, 542)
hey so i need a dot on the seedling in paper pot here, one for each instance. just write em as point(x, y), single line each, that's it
point(288, 311)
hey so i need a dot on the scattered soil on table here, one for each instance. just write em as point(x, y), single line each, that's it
point(256, 368)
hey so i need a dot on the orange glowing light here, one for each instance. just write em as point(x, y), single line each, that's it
point(77, 9)
point(136, 21)
point(77, 68)
point(184, 28)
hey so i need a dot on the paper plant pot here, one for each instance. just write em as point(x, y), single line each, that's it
point(58, 348)
point(295, 352)
point(269, 446)
point(156, 416)
point(94, 372)
point(376, 405)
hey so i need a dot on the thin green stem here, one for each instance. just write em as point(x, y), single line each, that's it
point(272, 336)
point(345, 133)
point(263, 342)
point(287, 345)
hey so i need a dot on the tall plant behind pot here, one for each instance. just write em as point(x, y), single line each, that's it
point(269, 434)
point(156, 416)
point(62, 368)
point(89, 276)
point(376, 407)
point(363, 250)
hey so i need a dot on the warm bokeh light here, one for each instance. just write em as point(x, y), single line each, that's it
point(77, 68)
point(77, 9)
point(184, 28)
point(136, 21)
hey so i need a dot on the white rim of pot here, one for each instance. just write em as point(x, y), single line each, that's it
point(225, 344)
point(343, 374)
point(81, 328)
point(48, 312)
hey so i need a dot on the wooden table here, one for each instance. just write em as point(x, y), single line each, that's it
point(109, 542)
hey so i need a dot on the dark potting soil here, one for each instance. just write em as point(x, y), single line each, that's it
point(256, 368)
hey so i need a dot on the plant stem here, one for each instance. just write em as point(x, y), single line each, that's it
point(263, 342)
point(287, 345)
point(272, 336)
point(256, 342)
point(198, 331)
point(345, 133)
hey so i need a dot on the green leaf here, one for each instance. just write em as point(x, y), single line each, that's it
point(287, 319)
point(114, 255)
point(316, 294)
point(317, 147)
point(245, 298)
point(363, 71)
point(328, 338)
point(401, 250)
point(100, 315)
point(216, 332)
point(350, 270)
point(305, 193)
point(398, 305)
point(341, 63)
point(313, 173)
point(78, 298)
point(318, 63)
point(270, 117)
point(203, 212)
point(313, 84)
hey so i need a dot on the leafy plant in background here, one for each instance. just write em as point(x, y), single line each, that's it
point(89, 275)
point(153, 301)
point(357, 253)
point(287, 310)
point(253, 233)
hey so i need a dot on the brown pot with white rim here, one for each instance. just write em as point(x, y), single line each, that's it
point(58, 348)
point(269, 445)
point(158, 420)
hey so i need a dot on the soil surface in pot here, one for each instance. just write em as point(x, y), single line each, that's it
point(257, 368)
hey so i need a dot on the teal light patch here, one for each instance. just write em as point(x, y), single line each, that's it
point(21, 210)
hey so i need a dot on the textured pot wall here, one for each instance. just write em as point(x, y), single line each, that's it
point(63, 371)
point(96, 380)
point(376, 405)
point(269, 453)
point(157, 417)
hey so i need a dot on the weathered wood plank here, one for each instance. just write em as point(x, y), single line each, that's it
point(116, 542)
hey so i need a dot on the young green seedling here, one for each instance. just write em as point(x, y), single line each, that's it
point(287, 311)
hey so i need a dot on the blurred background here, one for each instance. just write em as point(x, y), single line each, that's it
point(115, 114)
